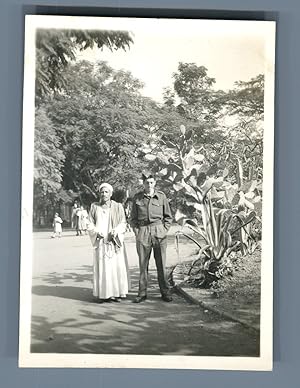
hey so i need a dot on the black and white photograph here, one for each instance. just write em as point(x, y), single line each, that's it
point(147, 193)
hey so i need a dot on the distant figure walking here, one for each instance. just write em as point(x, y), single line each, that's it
point(75, 207)
point(78, 223)
point(57, 229)
point(82, 220)
point(107, 225)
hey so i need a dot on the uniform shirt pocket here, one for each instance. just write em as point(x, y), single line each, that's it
point(156, 208)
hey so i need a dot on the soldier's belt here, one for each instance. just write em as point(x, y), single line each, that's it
point(146, 223)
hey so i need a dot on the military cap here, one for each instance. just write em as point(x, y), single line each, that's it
point(147, 175)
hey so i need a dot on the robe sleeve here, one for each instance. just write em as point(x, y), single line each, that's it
point(91, 226)
point(121, 227)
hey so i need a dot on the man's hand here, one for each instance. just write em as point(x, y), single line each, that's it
point(136, 231)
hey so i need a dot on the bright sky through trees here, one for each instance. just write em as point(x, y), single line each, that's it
point(230, 50)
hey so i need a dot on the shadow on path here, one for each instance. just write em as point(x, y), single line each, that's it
point(76, 324)
point(66, 292)
point(77, 275)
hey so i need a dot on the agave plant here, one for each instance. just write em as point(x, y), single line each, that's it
point(224, 210)
point(213, 238)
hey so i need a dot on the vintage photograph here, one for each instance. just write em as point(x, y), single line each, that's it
point(147, 193)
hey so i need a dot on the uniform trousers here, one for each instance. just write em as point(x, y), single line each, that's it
point(152, 237)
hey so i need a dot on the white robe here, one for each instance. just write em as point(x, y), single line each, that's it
point(109, 266)
point(57, 225)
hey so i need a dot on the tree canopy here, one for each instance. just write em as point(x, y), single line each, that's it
point(55, 49)
point(101, 120)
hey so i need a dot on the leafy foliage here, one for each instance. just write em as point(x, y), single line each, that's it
point(48, 163)
point(193, 89)
point(101, 121)
point(244, 107)
point(247, 98)
point(48, 158)
point(55, 49)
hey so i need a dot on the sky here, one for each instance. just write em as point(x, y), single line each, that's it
point(230, 50)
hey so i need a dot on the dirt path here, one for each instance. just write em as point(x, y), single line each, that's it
point(65, 319)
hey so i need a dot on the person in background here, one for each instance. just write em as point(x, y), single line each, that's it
point(78, 221)
point(151, 219)
point(106, 227)
point(73, 215)
point(83, 220)
point(57, 226)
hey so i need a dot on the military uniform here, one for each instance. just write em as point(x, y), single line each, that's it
point(151, 219)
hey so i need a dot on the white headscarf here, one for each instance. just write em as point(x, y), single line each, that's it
point(107, 185)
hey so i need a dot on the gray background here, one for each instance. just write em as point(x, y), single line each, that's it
point(287, 193)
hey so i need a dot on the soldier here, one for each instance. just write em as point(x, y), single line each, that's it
point(151, 219)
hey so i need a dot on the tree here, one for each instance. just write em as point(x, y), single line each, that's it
point(101, 119)
point(48, 163)
point(55, 49)
point(227, 127)
point(247, 98)
point(199, 106)
point(244, 136)
point(193, 86)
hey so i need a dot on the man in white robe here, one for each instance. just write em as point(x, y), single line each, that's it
point(107, 226)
